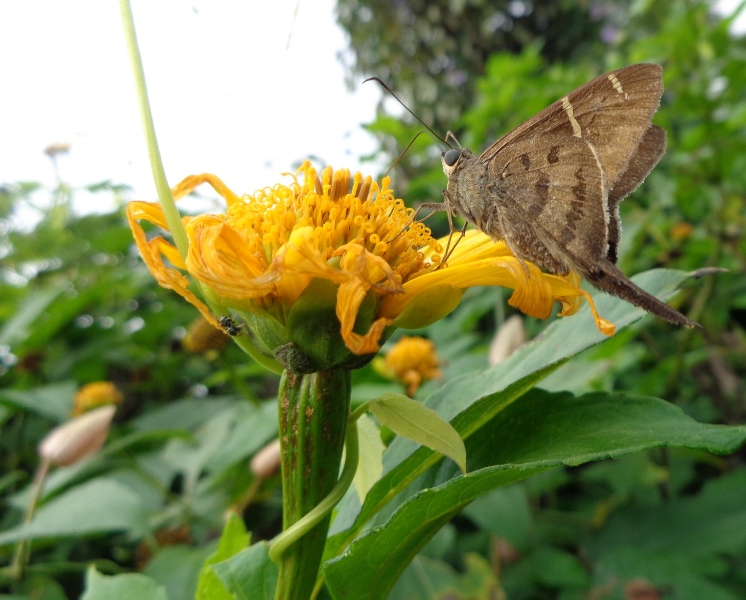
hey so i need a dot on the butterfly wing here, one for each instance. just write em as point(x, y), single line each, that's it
point(550, 201)
point(648, 153)
point(612, 112)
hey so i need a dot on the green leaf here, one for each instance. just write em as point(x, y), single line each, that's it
point(370, 462)
point(250, 574)
point(37, 587)
point(130, 585)
point(428, 579)
point(17, 328)
point(420, 424)
point(95, 507)
point(504, 512)
point(51, 401)
point(177, 569)
point(252, 428)
point(542, 431)
point(233, 540)
point(685, 541)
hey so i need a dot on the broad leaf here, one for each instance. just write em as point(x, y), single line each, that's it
point(17, 327)
point(542, 431)
point(428, 579)
point(130, 585)
point(177, 568)
point(51, 401)
point(233, 540)
point(250, 574)
point(686, 542)
point(99, 506)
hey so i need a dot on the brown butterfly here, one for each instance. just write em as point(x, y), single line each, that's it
point(551, 188)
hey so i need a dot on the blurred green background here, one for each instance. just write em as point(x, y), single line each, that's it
point(77, 305)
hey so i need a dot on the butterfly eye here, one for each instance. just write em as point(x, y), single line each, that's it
point(451, 157)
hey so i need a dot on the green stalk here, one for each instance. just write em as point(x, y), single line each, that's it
point(23, 549)
point(313, 410)
point(165, 196)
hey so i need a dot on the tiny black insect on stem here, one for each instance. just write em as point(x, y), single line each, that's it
point(230, 326)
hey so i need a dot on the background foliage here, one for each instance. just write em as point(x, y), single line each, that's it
point(77, 305)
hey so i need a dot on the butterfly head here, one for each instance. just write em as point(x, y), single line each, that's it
point(456, 159)
point(451, 160)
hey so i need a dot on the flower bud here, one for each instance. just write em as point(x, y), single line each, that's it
point(266, 462)
point(78, 438)
point(508, 339)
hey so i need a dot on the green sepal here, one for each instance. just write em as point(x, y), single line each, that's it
point(314, 332)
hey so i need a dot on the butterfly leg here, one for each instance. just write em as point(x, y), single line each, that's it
point(446, 205)
point(434, 206)
point(450, 250)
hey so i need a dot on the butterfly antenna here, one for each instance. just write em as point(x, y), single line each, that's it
point(403, 152)
point(388, 89)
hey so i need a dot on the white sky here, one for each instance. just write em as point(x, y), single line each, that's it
point(240, 89)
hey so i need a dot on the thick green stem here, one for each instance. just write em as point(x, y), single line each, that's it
point(313, 419)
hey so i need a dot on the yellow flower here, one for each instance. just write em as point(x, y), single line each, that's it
point(413, 360)
point(96, 394)
point(681, 231)
point(285, 255)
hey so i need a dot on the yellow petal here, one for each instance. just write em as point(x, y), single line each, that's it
point(298, 261)
point(193, 181)
point(152, 252)
point(349, 299)
point(429, 306)
point(567, 290)
point(532, 296)
point(218, 257)
point(474, 245)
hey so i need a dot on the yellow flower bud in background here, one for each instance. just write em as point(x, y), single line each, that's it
point(681, 231)
point(94, 395)
point(202, 337)
point(413, 360)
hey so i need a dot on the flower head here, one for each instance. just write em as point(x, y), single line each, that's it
point(413, 360)
point(327, 266)
point(96, 394)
